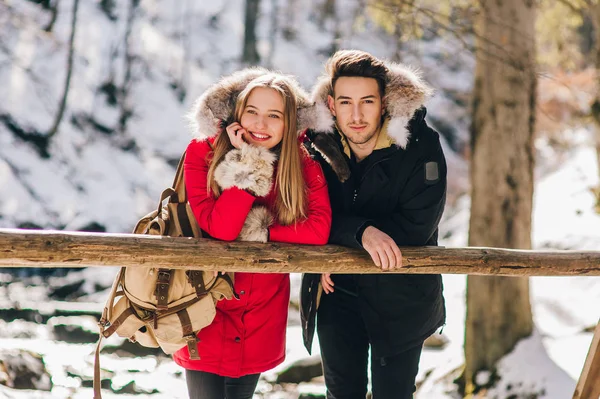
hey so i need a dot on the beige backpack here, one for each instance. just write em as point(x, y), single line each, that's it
point(159, 307)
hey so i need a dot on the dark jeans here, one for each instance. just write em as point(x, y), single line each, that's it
point(202, 385)
point(344, 350)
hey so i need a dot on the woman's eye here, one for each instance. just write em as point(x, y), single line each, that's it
point(274, 116)
point(251, 111)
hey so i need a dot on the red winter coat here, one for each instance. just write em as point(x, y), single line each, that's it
point(247, 335)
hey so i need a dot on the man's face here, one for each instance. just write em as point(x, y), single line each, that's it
point(358, 108)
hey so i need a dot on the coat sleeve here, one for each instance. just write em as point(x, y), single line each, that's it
point(346, 230)
point(316, 227)
point(223, 217)
point(416, 218)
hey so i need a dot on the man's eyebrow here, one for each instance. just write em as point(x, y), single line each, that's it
point(270, 110)
point(362, 98)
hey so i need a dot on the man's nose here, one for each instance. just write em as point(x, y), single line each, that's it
point(356, 113)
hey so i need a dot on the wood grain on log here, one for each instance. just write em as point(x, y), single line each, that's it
point(45, 248)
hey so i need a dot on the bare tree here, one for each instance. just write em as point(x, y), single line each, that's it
point(504, 100)
point(54, 14)
point(63, 102)
point(125, 106)
point(274, 32)
point(595, 15)
point(250, 53)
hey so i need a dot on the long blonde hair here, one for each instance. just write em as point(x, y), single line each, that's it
point(290, 201)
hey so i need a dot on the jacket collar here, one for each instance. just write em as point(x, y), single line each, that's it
point(383, 139)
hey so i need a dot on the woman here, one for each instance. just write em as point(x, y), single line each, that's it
point(251, 181)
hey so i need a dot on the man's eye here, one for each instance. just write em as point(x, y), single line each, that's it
point(369, 101)
point(345, 102)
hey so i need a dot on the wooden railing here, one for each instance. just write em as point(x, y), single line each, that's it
point(43, 248)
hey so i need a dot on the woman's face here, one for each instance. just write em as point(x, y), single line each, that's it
point(263, 117)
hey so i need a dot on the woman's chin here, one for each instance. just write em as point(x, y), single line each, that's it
point(268, 144)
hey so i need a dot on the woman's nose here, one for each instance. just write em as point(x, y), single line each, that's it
point(260, 121)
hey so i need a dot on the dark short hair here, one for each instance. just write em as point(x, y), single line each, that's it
point(356, 63)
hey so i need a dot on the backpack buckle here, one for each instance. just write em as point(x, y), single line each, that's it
point(161, 292)
point(192, 345)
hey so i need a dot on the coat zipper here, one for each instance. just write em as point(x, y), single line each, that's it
point(363, 177)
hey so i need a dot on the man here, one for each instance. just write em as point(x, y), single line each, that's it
point(394, 196)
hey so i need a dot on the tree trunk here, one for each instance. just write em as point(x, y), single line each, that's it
point(250, 54)
point(595, 15)
point(125, 108)
point(397, 57)
point(53, 16)
point(289, 20)
point(63, 102)
point(327, 11)
point(274, 32)
point(498, 308)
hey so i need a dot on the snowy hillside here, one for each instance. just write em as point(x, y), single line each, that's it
point(99, 176)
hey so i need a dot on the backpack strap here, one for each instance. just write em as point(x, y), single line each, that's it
point(109, 306)
point(196, 279)
point(104, 325)
point(97, 383)
point(227, 278)
point(161, 292)
point(179, 183)
point(110, 330)
point(188, 334)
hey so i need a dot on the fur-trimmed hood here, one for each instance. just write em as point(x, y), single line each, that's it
point(215, 107)
point(405, 92)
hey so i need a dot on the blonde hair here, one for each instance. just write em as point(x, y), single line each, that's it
point(290, 187)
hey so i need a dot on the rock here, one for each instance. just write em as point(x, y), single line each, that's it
point(589, 329)
point(87, 377)
point(66, 291)
point(133, 389)
point(20, 369)
point(74, 329)
point(11, 314)
point(303, 370)
point(41, 312)
point(132, 349)
point(436, 341)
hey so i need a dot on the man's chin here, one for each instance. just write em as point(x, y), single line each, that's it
point(360, 140)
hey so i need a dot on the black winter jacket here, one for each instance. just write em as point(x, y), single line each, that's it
point(401, 192)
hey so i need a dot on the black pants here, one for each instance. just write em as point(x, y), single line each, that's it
point(344, 350)
point(202, 385)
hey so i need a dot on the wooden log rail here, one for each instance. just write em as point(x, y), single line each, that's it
point(45, 248)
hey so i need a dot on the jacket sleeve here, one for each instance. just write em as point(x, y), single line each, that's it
point(223, 217)
point(346, 230)
point(416, 218)
point(316, 227)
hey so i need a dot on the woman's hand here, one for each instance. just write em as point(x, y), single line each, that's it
point(327, 283)
point(236, 132)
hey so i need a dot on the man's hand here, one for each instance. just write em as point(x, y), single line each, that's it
point(382, 248)
point(327, 283)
